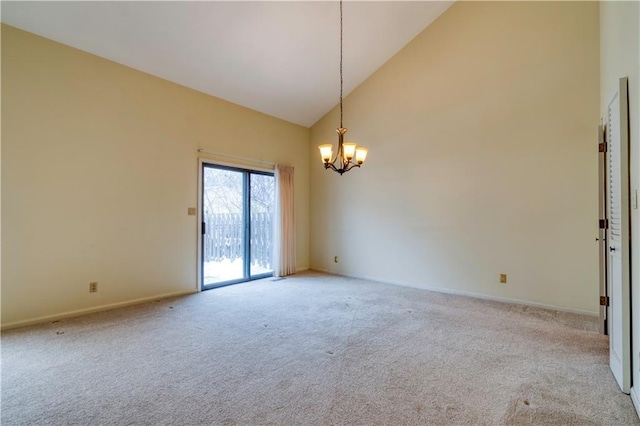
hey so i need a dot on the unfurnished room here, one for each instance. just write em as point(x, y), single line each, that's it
point(320, 213)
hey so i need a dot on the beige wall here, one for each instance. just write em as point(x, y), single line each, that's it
point(483, 159)
point(99, 166)
point(620, 57)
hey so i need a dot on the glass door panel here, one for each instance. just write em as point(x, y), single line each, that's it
point(262, 208)
point(223, 218)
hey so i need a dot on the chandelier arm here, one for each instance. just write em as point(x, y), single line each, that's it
point(333, 162)
point(351, 166)
point(340, 170)
point(339, 156)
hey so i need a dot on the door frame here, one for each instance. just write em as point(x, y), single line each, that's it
point(602, 228)
point(201, 164)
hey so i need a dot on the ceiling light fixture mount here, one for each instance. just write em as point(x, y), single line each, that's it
point(346, 150)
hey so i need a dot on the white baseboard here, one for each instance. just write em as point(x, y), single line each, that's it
point(466, 293)
point(78, 312)
point(635, 399)
point(70, 314)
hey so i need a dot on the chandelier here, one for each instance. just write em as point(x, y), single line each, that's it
point(349, 154)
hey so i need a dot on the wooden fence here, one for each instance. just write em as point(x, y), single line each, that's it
point(224, 237)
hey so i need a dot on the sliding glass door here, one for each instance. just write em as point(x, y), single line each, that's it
point(237, 225)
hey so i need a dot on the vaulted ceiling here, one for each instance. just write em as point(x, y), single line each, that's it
point(280, 58)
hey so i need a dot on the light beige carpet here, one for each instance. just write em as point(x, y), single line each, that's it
point(313, 350)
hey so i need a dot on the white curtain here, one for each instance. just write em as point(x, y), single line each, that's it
point(285, 229)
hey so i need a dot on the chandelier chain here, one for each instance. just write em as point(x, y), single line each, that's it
point(341, 82)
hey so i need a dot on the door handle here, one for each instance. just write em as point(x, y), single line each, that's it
point(612, 249)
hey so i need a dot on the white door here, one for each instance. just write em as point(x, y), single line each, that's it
point(618, 237)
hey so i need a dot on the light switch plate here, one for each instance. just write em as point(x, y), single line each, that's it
point(191, 211)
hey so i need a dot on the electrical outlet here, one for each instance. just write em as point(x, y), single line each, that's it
point(335, 259)
point(93, 287)
point(503, 278)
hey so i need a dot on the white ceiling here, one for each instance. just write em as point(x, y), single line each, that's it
point(280, 58)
